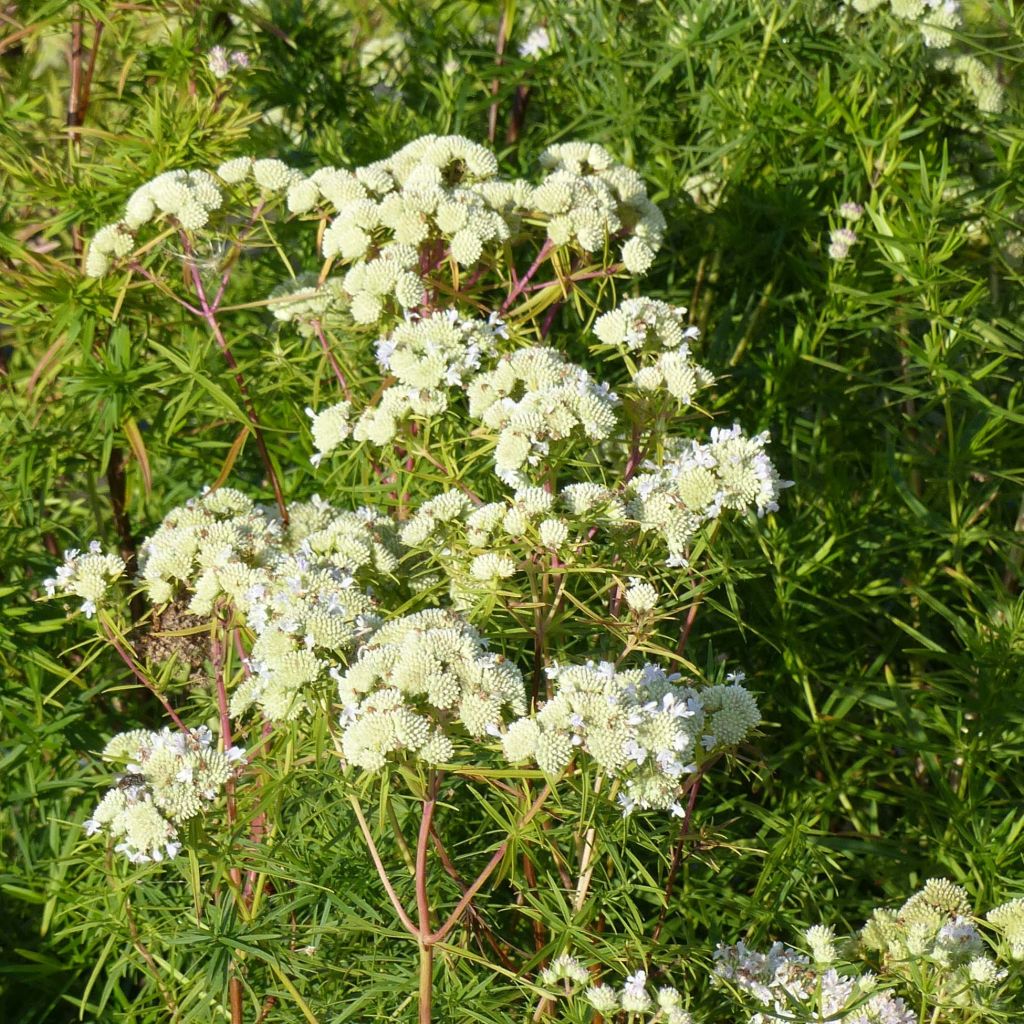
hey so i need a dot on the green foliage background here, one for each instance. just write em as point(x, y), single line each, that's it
point(878, 614)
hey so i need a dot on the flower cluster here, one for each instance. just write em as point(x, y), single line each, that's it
point(1008, 921)
point(939, 21)
point(297, 587)
point(88, 576)
point(533, 397)
point(210, 546)
point(632, 1000)
point(658, 331)
point(415, 678)
point(187, 196)
point(933, 929)
point(480, 543)
point(168, 779)
point(930, 948)
point(590, 198)
point(695, 482)
point(440, 198)
point(637, 725)
point(784, 980)
point(221, 63)
point(437, 195)
point(427, 355)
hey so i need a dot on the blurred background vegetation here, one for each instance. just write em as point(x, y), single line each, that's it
point(879, 614)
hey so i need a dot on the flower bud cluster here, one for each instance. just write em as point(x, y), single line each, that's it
point(211, 546)
point(168, 779)
point(436, 192)
point(269, 175)
point(637, 725)
point(297, 587)
point(696, 482)
point(641, 323)
point(305, 606)
point(589, 198)
point(535, 396)
point(88, 576)
point(417, 677)
point(187, 196)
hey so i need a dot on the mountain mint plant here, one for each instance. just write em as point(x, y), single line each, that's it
point(506, 620)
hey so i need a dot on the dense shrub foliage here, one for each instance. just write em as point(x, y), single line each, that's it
point(405, 611)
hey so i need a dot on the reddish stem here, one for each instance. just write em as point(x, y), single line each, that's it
point(140, 675)
point(520, 286)
point(208, 313)
point(339, 376)
point(460, 907)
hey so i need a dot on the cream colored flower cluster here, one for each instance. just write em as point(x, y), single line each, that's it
point(428, 355)
point(934, 930)
point(590, 199)
point(415, 679)
point(441, 197)
point(930, 950)
point(301, 589)
point(189, 197)
point(658, 333)
point(88, 576)
point(638, 725)
point(169, 778)
point(437, 195)
point(535, 396)
point(631, 1002)
point(1008, 921)
point(939, 22)
point(307, 608)
point(208, 548)
point(696, 482)
point(480, 544)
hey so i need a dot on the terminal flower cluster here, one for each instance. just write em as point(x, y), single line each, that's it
point(89, 576)
point(638, 725)
point(933, 931)
point(633, 1001)
point(658, 334)
point(415, 679)
point(302, 590)
point(169, 778)
point(533, 397)
point(939, 23)
point(695, 482)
